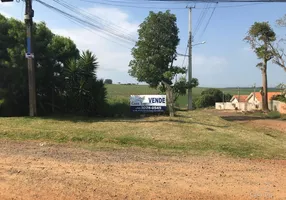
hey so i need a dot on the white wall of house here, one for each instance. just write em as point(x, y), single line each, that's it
point(253, 100)
point(234, 100)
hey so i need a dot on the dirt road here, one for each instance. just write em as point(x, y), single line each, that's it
point(30, 170)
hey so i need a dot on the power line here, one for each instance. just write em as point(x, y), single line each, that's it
point(109, 26)
point(201, 19)
point(135, 5)
point(75, 19)
point(208, 22)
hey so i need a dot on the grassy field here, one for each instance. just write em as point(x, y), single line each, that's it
point(124, 91)
point(194, 132)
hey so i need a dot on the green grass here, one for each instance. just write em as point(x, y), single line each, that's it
point(124, 91)
point(194, 132)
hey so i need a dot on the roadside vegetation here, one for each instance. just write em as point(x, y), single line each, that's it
point(194, 132)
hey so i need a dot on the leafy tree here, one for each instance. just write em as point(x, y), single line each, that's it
point(210, 96)
point(216, 94)
point(260, 36)
point(227, 97)
point(57, 91)
point(278, 51)
point(107, 81)
point(155, 53)
point(205, 101)
point(84, 93)
point(282, 87)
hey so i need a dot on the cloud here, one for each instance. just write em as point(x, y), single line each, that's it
point(247, 49)
point(5, 14)
point(113, 53)
point(6, 4)
point(204, 64)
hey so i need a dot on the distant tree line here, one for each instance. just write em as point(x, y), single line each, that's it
point(66, 79)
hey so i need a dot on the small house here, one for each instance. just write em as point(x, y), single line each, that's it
point(239, 99)
point(256, 98)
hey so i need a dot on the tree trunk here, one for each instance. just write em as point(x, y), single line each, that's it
point(170, 99)
point(53, 101)
point(265, 87)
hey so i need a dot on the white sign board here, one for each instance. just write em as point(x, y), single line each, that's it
point(148, 103)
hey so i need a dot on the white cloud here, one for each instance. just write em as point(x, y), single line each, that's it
point(204, 64)
point(5, 13)
point(114, 58)
point(6, 4)
point(111, 56)
point(247, 49)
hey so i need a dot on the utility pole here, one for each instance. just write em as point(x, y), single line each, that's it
point(190, 42)
point(29, 14)
point(254, 88)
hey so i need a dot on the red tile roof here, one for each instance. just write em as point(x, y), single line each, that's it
point(270, 95)
point(242, 98)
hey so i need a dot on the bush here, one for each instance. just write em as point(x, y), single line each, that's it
point(117, 106)
point(216, 94)
point(204, 101)
point(274, 115)
point(279, 98)
point(107, 81)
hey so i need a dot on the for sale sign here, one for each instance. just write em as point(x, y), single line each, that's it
point(148, 103)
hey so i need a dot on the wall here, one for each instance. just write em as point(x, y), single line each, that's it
point(224, 106)
point(278, 106)
point(273, 105)
point(252, 100)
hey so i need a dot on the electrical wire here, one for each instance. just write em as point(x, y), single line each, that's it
point(78, 21)
point(106, 25)
point(207, 24)
point(79, 10)
point(135, 5)
point(201, 19)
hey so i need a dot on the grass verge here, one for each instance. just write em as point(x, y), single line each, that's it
point(194, 132)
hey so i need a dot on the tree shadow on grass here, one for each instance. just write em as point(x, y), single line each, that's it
point(233, 118)
point(135, 120)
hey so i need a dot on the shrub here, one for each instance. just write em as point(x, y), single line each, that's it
point(107, 81)
point(274, 115)
point(215, 93)
point(116, 107)
point(279, 98)
point(204, 101)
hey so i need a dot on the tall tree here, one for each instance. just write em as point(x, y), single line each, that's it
point(55, 93)
point(155, 53)
point(260, 36)
point(279, 55)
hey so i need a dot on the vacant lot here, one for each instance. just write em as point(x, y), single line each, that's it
point(198, 155)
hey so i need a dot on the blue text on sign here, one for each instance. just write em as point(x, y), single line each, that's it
point(157, 100)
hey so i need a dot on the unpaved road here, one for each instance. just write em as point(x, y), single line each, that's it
point(29, 170)
point(255, 121)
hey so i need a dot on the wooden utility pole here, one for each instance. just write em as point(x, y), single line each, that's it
point(29, 14)
point(190, 43)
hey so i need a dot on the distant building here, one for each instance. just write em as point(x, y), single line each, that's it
point(257, 98)
point(239, 98)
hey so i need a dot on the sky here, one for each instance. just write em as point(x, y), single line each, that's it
point(225, 60)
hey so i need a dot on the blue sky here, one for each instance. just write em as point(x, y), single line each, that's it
point(225, 60)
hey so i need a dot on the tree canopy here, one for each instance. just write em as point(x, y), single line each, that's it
point(260, 37)
point(66, 81)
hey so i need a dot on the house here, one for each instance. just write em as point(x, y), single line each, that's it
point(239, 98)
point(257, 97)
